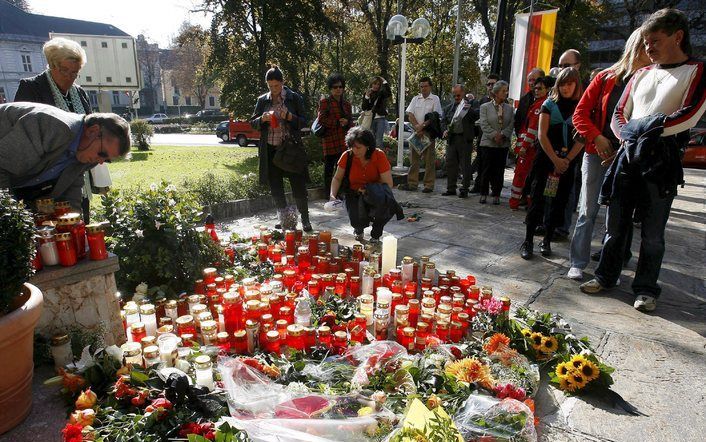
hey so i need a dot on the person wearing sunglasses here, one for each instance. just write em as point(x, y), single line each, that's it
point(57, 86)
point(45, 151)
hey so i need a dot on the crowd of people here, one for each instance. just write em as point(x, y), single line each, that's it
point(613, 139)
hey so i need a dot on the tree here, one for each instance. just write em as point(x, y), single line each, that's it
point(20, 4)
point(148, 59)
point(191, 69)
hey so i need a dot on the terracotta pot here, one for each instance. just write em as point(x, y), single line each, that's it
point(16, 354)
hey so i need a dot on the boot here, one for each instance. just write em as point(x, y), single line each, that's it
point(303, 207)
point(287, 218)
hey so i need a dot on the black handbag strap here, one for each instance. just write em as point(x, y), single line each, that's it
point(346, 181)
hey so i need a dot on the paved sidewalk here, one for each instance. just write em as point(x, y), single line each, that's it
point(660, 358)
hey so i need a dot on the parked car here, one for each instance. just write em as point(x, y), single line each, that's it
point(157, 119)
point(695, 154)
point(242, 132)
point(202, 114)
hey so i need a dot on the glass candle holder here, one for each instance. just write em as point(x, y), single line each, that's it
point(61, 351)
point(324, 336)
point(209, 275)
point(252, 328)
point(148, 317)
point(167, 344)
point(295, 337)
point(209, 332)
point(73, 223)
point(240, 342)
point(204, 372)
point(95, 234)
point(132, 353)
point(340, 342)
point(150, 355)
point(185, 325)
point(66, 249)
point(137, 331)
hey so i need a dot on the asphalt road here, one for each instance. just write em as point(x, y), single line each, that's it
point(188, 140)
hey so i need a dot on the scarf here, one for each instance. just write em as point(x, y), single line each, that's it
point(60, 101)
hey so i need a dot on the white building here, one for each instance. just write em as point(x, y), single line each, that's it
point(110, 75)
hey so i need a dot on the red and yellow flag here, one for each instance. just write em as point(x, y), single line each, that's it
point(531, 48)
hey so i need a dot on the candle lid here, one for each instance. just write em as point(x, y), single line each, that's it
point(68, 219)
point(65, 236)
point(131, 349)
point(59, 340)
point(137, 327)
point(96, 227)
point(209, 325)
point(239, 334)
point(147, 309)
point(183, 320)
point(341, 335)
point(295, 330)
point(273, 335)
point(147, 341)
point(202, 362)
point(151, 352)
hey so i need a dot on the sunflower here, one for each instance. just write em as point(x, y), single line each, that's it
point(536, 339)
point(577, 379)
point(526, 332)
point(470, 370)
point(496, 342)
point(562, 370)
point(577, 361)
point(565, 385)
point(549, 344)
point(590, 371)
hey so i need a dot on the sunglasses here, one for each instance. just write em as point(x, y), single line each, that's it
point(338, 86)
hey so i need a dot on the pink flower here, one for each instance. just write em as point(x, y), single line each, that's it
point(510, 391)
point(491, 305)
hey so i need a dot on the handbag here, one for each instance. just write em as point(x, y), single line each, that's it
point(291, 157)
point(318, 129)
point(365, 120)
point(345, 187)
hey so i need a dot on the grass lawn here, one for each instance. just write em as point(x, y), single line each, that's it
point(175, 163)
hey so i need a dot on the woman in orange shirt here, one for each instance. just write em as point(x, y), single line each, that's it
point(368, 165)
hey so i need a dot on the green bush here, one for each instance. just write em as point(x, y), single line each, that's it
point(142, 133)
point(17, 248)
point(211, 189)
point(313, 148)
point(155, 235)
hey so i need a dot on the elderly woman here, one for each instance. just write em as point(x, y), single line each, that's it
point(497, 123)
point(364, 165)
point(55, 86)
point(279, 114)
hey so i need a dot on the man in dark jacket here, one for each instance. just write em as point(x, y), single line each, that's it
point(526, 100)
point(459, 119)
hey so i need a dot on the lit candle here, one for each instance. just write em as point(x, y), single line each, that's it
point(389, 253)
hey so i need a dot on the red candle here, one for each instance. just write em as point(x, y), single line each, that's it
point(406, 339)
point(456, 331)
point(358, 334)
point(295, 337)
point(240, 342)
point(96, 242)
point(340, 342)
point(290, 277)
point(324, 334)
point(289, 241)
point(66, 248)
point(272, 344)
point(414, 310)
point(309, 338)
point(442, 331)
point(313, 287)
point(314, 243)
point(355, 286)
point(474, 292)
point(185, 325)
point(340, 286)
point(262, 251)
point(209, 275)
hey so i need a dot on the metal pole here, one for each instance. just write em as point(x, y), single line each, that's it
point(400, 128)
point(457, 41)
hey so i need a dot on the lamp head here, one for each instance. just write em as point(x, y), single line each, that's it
point(397, 27)
point(420, 28)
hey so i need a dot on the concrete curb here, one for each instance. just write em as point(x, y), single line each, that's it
point(248, 207)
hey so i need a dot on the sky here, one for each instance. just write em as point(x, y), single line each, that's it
point(159, 20)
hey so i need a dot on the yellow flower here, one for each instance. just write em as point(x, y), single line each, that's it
point(526, 332)
point(577, 379)
point(470, 370)
point(549, 344)
point(433, 402)
point(562, 370)
point(536, 339)
point(87, 399)
point(565, 384)
point(364, 411)
point(83, 417)
point(577, 361)
point(590, 371)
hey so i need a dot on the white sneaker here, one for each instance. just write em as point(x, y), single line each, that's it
point(575, 273)
point(645, 303)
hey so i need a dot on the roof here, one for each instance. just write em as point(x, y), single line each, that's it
point(15, 21)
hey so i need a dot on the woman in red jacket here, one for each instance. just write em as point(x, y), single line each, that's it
point(592, 120)
point(526, 146)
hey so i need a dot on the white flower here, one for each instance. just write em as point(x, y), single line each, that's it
point(170, 188)
point(297, 387)
point(114, 352)
point(157, 225)
point(171, 202)
point(153, 187)
point(139, 233)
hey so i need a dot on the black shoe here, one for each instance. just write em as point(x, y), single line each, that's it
point(596, 256)
point(474, 190)
point(463, 194)
point(496, 200)
point(545, 248)
point(483, 199)
point(527, 250)
point(539, 231)
point(407, 187)
point(306, 226)
point(427, 190)
point(448, 193)
point(278, 226)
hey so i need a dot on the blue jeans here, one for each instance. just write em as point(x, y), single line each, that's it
point(378, 129)
point(633, 190)
point(592, 177)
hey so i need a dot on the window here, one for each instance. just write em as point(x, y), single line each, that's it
point(104, 44)
point(93, 98)
point(188, 101)
point(116, 97)
point(26, 63)
point(175, 100)
point(124, 45)
point(3, 99)
point(128, 79)
point(176, 91)
point(89, 79)
point(211, 101)
point(84, 44)
point(109, 79)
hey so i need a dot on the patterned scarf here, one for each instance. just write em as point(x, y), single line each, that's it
point(60, 100)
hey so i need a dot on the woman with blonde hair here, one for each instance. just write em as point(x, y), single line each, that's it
point(592, 121)
point(553, 168)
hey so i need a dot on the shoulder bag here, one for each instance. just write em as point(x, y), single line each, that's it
point(291, 157)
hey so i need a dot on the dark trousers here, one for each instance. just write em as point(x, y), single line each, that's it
point(296, 181)
point(458, 156)
point(358, 215)
point(330, 162)
point(543, 166)
point(634, 190)
point(493, 169)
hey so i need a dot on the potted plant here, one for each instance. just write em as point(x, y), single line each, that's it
point(20, 309)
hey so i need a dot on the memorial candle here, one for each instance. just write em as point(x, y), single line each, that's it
point(389, 253)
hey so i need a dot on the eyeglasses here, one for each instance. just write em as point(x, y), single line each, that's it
point(490, 83)
point(338, 86)
point(102, 153)
point(66, 71)
point(567, 65)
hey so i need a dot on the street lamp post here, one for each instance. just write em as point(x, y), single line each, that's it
point(396, 30)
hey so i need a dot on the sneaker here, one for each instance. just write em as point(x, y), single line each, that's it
point(539, 231)
point(449, 193)
point(591, 287)
point(645, 303)
point(428, 190)
point(575, 273)
point(407, 187)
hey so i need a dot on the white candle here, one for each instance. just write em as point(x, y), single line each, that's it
point(361, 267)
point(389, 253)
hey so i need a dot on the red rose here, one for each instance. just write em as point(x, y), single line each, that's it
point(456, 352)
point(72, 433)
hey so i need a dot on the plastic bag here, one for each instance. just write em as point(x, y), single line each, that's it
point(504, 420)
point(250, 392)
point(374, 357)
